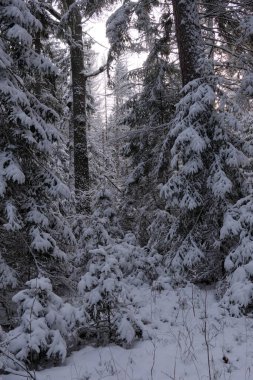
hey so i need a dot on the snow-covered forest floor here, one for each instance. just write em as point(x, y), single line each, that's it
point(187, 336)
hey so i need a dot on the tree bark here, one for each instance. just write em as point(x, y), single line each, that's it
point(189, 38)
point(79, 120)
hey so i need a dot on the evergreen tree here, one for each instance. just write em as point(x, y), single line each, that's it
point(110, 258)
point(207, 159)
point(149, 109)
point(46, 325)
point(34, 232)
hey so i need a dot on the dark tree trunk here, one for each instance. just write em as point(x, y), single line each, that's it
point(79, 120)
point(189, 38)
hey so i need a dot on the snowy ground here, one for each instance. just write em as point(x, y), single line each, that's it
point(185, 330)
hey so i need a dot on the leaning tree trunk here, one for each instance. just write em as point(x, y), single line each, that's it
point(189, 40)
point(79, 120)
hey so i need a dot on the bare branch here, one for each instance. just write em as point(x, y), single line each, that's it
point(95, 73)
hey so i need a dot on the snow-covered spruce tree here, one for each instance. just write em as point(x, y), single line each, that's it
point(100, 228)
point(236, 232)
point(206, 157)
point(103, 225)
point(113, 262)
point(34, 233)
point(103, 295)
point(148, 110)
point(46, 325)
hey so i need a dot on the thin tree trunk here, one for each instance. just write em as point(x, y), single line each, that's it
point(71, 157)
point(37, 48)
point(106, 110)
point(117, 137)
point(189, 38)
point(79, 120)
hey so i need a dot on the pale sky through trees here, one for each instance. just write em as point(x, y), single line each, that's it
point(97, 30)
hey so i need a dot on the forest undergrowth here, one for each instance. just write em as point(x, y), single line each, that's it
point(186, 335)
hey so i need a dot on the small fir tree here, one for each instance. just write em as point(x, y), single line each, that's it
point(111, 257)
point(45, 324)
